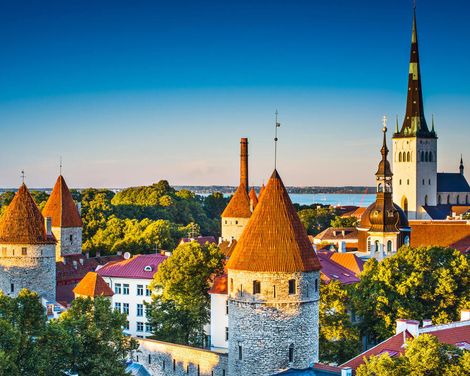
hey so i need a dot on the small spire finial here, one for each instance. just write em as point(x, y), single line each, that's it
point(22, 176)
point(60, 165)
point(461, 168)
point(277, 125)
point(384, 122)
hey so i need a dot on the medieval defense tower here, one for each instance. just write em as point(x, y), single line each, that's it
point(66, 221)
point(27, 244)
point(273, 290)
point(415, 147)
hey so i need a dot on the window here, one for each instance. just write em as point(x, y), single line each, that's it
point(458, 199)
point(241, 290)
point(12, 288)
point(125, 308)
point(256, 287)
point(71, 238)
point(240, 353)
point(389, 246)
point(429, 181)
point(236, 222)
point(140, 326)
point(399, 157)
point(226, 307)
point(426, 156)
point(163, 365)
point(426, 200)
point(140, 310)
point(126, 326)
point(24, 251)
point(407, 240)
point(400, 181)
point(439, 199)
point(316, 284)
point(148, 292)
point(117, 306)
point(174, 365)
point(117, 288)
point(148, 328)
point(376, 245)
point(140, 290)
point(231, 284)
point(408, 157)
point(291, 353)
point(150, 359)
point(291, 286)
point(422, 156)
point(408, 181)
point(430, 156)
point(448, 199)
point(274, 291)
point(226, 333)
point(4, 251)
point(423, 181)
point(125, 289)
point(13, 252)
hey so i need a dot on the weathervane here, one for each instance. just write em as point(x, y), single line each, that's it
point(22, 175)
point(384, 122)
point(277, 125)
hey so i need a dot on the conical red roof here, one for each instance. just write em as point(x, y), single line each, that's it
point(274, 240)
point(61, 207)
point(239, 205)
point(253, 198)
point(93, 285)
point(22, 222)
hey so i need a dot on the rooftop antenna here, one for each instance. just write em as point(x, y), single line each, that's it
point(277, 125)
point(22, 176)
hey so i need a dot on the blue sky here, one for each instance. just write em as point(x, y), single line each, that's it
point(131, 92)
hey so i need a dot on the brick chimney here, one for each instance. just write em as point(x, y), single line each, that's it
point(411, 325)
point(244, 162)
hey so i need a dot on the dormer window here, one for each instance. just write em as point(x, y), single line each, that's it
point(148, 268)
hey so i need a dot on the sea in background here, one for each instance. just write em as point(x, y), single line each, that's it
point(334, 199)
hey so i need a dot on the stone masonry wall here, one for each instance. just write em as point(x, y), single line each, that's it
point(69, 241)
point(34, 271)
point(262, 327)
point(232, 228)
point(163, 358)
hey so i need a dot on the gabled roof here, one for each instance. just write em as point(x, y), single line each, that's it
point(202, 240)
point(274, 239)
point(139, 266)
point(349, 261)
point(61, 207)
point(93, 285)
point(239, 205)
point(331, 270)
point(338, 233)
point(394, 346)
point(220, 285)
point(452, 334)
point(452, 182)
point(22, 222)
point(227, 247)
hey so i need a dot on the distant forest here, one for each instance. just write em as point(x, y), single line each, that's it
point(226, 189)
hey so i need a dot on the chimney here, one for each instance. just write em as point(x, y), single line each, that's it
point(411, 325)
point(427, 322)
point(244, 162)
point(48, 225)
point(346, 371)
point(465, 315)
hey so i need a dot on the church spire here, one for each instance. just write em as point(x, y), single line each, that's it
point(414, 123)
point(461, 168)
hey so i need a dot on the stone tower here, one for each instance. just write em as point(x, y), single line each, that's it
point(66, 221)
point(383, 228)
point(415, 147)
point(273, 290)
point(238, 211)
point(27, 258)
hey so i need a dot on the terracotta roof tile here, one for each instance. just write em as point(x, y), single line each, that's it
point(338, 233)
point(453, 234)
point(139, 266)
point(61, 207)
point(239, 205)
point(202, 240)
point(93, 285)
point(349, 261)
point(274, 239)
point(253, 198)
point(220, 285)
point(22, 222)
point(227, 247)
point(331, 270)
point(452, 335)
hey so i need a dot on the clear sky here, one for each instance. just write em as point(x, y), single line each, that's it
point(131, 92)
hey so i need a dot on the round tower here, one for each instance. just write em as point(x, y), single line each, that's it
point(273, 290)
point(27, 256)
point(66, 221)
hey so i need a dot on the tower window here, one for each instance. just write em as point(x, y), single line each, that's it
point(407, 241)
point(231, 284)
point(439, 199)
point(399, 157)
point(24, 251)
point(448, 199)
point(256, 287)
point(226, 307)
point(150, 359)
point(12, 288)
point(426, 200)
point(458, 199)
point(4, 251)
point(400, 181)
point(389, 247)
point(426, 156)
point(174, 365)
point(241, 290)
point(292, 286)
point(240, 353)
point(274, 291)
point(291, 353)
point(430, 156)
point(71, 238)
point(316, 284)
point(423, 181)
point(429, 181)
point(368, 244)
point(422, 156)
point(226, 333)
point(408, 181)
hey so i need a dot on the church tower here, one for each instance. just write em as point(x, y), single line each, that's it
point(27, 258)
point(66, 221)
point(273, 290)
point(415, 147)
point(238, 211)
point(383, 228)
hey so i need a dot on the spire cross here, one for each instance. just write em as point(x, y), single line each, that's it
point(277, 125)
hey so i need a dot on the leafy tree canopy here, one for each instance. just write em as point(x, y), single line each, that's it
point(339, 221)
point(317, 219)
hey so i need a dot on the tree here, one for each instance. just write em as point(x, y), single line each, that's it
point(180, 305)
point(416, 283)
point(214, 204)
point(93, 330)
point(424, 356)
point(339, 221)
point(316, 220)
point(339, 339)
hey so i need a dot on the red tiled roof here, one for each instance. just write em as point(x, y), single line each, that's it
point(274, 239)
point(327, 367)
point(336, 233)
point(331, 270)
point(134, 267)
point(349, 261)
point(61, 207)
point(22, 222)
point(227, 247)
point(202, 240)
point(356, 213)
point(220, 285)
point(261, 191)
point(391, 345)
point(451, 335)
point(93, 285)
point(453, 234)
point(239, 205)
point(253, 198)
